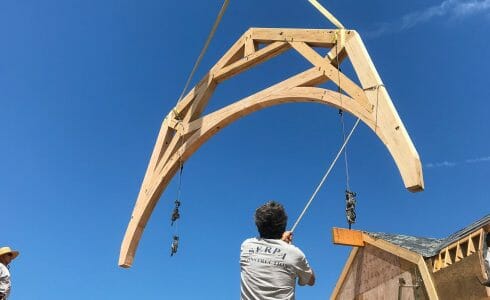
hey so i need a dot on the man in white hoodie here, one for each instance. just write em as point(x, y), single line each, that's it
point(6, 257)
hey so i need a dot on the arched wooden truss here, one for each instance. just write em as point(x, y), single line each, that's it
point(185, 129)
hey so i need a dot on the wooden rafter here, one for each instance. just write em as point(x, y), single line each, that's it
point(465, 246)
point(185, 129)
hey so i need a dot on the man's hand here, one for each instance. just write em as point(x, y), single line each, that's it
point(287, 236)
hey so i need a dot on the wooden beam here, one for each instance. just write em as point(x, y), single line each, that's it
point(314, 37)
point(249, 46)
point(447, 258)
point(345, 271)
point(403, 151)
point(392, 248)
point(459, 253)
point(232, 53)
point(333, 73)
point(427, 279)
point(184, 131)
point(347, 237)
point(250, 61)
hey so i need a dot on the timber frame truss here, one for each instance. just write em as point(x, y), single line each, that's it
point(185, 129)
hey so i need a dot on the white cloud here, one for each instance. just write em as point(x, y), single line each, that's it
point(471, 7)
point(449, 164)
point(448, 8)
point(441, 164)
point(477, 160)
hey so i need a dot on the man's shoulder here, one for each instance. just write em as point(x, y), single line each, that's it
point(249, 241)
point(273, 242)
point(296, 250)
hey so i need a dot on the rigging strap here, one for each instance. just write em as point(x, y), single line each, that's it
point(326, 13)
point(206, 45)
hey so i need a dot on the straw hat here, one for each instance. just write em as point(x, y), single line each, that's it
point(7, 250)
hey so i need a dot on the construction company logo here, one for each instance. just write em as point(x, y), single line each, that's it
point(266, 255)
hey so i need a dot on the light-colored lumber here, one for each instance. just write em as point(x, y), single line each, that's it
point(344, 273)
point(314, 37)
point(185, 129)
point(397, 139)
point(392, 248)
point(326, 13)
point(459, 253)
point(232, 53)
point(249, 46)
point(251, 60)
point(347, 237)
point(447, 258)
point(427, 279)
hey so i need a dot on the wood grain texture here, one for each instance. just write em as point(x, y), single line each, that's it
point(347, 237)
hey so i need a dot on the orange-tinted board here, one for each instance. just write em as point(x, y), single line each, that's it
point(348, 237)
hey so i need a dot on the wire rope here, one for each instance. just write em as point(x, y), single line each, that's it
point(325, 176)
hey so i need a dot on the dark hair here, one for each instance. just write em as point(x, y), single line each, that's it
point(271, 220)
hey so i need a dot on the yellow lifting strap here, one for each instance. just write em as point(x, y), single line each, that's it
point(326, 13)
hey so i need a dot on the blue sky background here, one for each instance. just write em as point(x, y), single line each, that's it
point(84, 86)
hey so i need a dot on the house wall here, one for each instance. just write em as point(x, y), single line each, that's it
point(376, 274)
point(459, 280)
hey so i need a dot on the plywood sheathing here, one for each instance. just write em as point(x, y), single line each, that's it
point(415, 259)
point(376, 274)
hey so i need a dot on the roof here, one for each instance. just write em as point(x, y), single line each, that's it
point(424, 246)
point(428, 247)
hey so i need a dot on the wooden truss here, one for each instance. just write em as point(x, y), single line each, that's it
point(459, 250)
point(185, 129)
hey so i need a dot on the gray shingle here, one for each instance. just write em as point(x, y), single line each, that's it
point(424, 246)
point(428, 247)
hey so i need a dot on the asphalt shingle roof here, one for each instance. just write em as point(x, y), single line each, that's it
point(428, 247)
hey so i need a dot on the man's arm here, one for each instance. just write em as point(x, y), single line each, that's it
point(311, 282)
point(287, 237)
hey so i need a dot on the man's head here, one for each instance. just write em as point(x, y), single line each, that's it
point(7, 255)
point(271, 220)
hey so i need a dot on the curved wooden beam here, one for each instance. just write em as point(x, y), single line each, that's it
point(184, 130)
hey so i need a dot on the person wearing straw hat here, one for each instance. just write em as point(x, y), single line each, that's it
point(6, 257)
point(270, 264)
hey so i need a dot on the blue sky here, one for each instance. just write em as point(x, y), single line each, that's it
point(84, 86)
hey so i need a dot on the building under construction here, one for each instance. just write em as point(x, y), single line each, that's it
point(394, 266)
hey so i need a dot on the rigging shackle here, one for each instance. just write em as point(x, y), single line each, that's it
point(350, 207)
point(175, 212)
point(175, 245)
